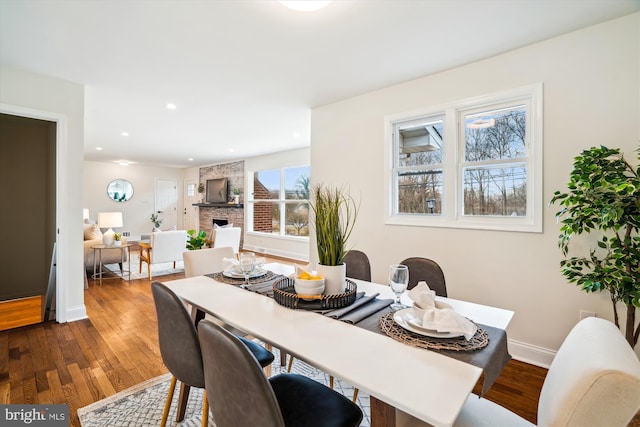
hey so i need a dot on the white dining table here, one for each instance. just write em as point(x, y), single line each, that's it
point(424, 384)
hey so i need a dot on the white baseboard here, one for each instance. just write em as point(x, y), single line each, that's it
point(274, 252)
point(78, 312)
point(531, 354)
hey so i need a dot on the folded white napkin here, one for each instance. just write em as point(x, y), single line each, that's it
point(231, 265)
point(440, 316)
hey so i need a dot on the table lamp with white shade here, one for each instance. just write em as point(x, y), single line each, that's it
point(109, 220)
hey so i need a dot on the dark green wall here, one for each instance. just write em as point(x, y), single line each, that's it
point(27, 199)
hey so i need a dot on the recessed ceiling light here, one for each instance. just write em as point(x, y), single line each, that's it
point(99, 148)
point(231, 150)
point(125, 134)
point(123, 163)
point(171, 106)
point(305, 5)
point(190, 159)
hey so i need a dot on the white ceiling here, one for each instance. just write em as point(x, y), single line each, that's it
point(245, 74)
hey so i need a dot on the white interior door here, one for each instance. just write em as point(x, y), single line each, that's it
point(191, 219)
point(167, 202)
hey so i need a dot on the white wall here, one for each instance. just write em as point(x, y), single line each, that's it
point(591, 88)
point(34, 95)
point(137, 211)
point(290, 247)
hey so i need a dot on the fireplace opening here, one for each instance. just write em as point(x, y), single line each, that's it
point(220, 222)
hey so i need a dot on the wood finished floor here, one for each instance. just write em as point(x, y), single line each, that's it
point(81, 362)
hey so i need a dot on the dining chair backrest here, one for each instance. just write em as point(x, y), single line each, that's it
point(206, 261)
point(424, 269)
point(236, 386)
point(228, 236)
point(167, 246)
point(594, 379)
point(177, 336)
point(358, 266)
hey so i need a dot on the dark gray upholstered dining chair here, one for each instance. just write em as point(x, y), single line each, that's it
point(358, 266)
point(180, 348)
point(427, 270)
point(242, 396)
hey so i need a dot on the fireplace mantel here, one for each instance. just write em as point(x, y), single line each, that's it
point(219, 205)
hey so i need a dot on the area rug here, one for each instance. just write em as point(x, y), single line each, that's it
point(160, 269)
point(142, 404)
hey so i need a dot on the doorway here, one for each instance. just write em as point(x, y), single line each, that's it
point(191, 221)
point(166, 205)
point(28, 159)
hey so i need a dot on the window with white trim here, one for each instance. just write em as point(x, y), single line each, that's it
point(278, 202)
point(470, 164)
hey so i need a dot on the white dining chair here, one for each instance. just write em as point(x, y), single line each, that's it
point(228, 236)
point(594, 380)
point(206, 261)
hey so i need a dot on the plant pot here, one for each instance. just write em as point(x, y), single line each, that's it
point(117, 243)
point(334, 278)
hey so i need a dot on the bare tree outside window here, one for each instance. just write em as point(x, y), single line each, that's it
point(473, 163)
point(420, 168)
point(495, 173)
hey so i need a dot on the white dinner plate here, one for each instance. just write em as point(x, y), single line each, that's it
point(256, 273)
point(406, 319)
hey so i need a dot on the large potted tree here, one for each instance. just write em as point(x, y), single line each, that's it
point(335, 213)
point(603, 201)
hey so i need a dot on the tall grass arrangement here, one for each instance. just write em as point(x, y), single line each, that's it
point(335, 214)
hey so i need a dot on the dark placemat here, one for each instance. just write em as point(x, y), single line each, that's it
point(388, 326)
point(220, 277)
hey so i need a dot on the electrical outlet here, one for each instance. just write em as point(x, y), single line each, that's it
point(585, 313)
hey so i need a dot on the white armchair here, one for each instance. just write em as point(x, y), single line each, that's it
point(165, 246)
point(594, 380)
point(228, 236)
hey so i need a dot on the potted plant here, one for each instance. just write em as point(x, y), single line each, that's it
point(196, 240)
point(235, 195)
point(201, 192)
point(117, 239)
point(603, 201)
point(335, 213)
point(156, 222)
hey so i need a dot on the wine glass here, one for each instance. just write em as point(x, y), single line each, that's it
point(247, 264)
point(398, 280)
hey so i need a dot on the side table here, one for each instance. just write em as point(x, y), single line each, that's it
point(97, 259)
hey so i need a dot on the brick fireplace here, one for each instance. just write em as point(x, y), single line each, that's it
point(234, 214)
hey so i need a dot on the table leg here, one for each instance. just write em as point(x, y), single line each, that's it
point(100, 256)
point(196, 315)
point(382, 414)
point(94, 264)
point(129, 262)
point(182, 401)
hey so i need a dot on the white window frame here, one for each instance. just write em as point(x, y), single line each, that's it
point(282, 201)
point(452, 214)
